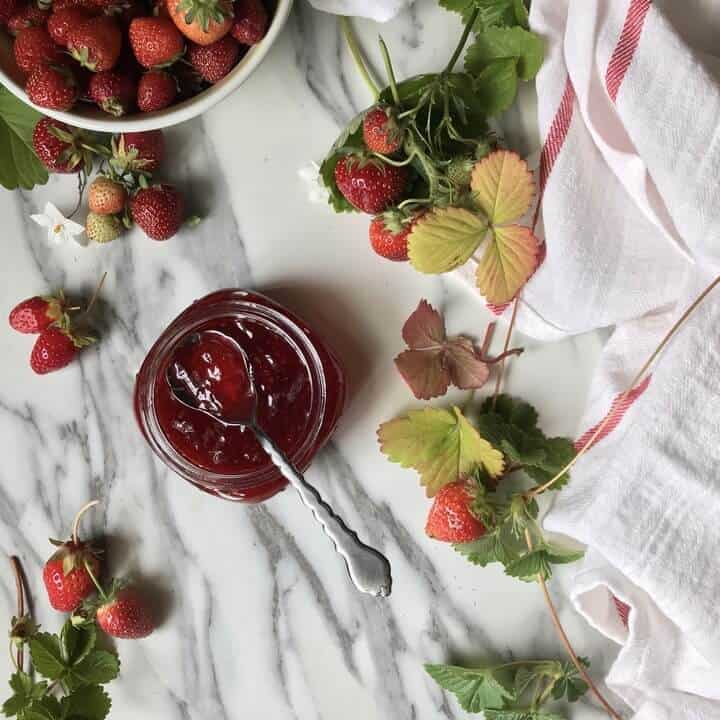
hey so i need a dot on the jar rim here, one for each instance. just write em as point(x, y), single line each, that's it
point(223, 305)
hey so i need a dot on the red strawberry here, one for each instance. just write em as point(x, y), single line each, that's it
point(158, 211)
point(450, 519)
point(96, 43)
point(65, 574)
point(143, 150)
point(125, 614)
point(113, 91)
point(62, 20)
point(155, 41)
point(251, 21)
point(28, 16)
point(37, 313)
point(106, 197)
point(54, 87)
point(7, 10)
point(381, 132)
point(54, 349)
point(370, 185)
point(215, 61)
point(389, 244)
point(156, 90)
point(59, 146)
point(34, 48)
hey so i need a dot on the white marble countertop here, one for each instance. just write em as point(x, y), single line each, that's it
point(260, 620)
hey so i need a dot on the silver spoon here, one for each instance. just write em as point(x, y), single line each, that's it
point(368, 569)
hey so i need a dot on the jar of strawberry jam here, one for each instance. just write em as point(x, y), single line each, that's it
point(300, 395)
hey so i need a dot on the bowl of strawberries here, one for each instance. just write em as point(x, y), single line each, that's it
point(132, 65)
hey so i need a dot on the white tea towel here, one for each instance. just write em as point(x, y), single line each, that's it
point(629, 169)
point(379, 10)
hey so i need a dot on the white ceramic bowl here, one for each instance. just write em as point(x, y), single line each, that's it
point(87, 116)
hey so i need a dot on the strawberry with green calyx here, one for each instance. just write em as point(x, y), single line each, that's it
point(155, 41)
point(66, 574)
point(451, 518)
point(381, 131)
point(61, 148)
point(96, 43)
point(106, 196)
point(158, 211)
point(389, 236)
point(103, 228)
point(122, 612)
point(56, 348)
point(38, 313)
point(113, 91)
point(369, 184)
point(202, 21)
point(63, 20)
point(138, 152)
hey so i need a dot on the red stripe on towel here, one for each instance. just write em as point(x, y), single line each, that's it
point(627, 44)
point(620, 405)
point(623, 610)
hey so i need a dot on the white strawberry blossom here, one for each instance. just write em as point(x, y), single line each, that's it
point(59, 228)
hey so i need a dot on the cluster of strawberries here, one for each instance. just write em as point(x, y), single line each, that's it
point(122, 194)
point(71, 578)
point(372, 185)
point(125, 55)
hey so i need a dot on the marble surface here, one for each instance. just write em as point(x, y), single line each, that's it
point(259, 619)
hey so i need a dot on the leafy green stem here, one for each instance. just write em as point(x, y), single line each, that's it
point(389, 70)
point(95, 581)
point(395, 163)
point(354, 47)
point(463, 39)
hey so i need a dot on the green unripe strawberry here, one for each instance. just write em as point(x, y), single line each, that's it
point(459, 171)
point(102, 228)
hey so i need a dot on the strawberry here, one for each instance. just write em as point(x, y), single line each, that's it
point(389, 244)
point(62, 20)
point(34, 48)
point(7, 10)
point(215, 61)
point(30, 15)
point(450, 518)
point(370, 185)
point(250, 22)
point(155, 41)
point(65, 574)
point(102, 228)
point(142, 150)
point(54, 349)
point(60, 147)
point(106, 197)
point(96, 43)
point(156, 90)
point(381, 132)
point(202, 21)
point(38, 313)
point(125, 614)
point(113, 91)
point(54, 87)
point(158, 211)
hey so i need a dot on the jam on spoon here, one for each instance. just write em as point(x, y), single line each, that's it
point(210, 372)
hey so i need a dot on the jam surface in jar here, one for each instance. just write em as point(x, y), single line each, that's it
point(283, 391)
point(299, 391)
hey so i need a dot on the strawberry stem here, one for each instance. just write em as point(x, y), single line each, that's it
point(78, 517)
point(95, 294)
point(357, 56)
point(463, 39)
point(508, 335)
point(389, 70)
point(502, 356)
point(95, 581)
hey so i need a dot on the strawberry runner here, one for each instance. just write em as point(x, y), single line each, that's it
point(630, 220)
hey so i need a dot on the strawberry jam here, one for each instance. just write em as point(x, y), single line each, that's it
point(299, 391)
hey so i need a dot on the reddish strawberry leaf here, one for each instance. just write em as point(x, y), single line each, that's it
point(424, 371)
point(465, 364)
point(425, 328)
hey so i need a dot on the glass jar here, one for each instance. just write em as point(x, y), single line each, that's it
point(300, 391)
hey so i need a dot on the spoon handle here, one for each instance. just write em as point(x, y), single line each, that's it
point(368, 569)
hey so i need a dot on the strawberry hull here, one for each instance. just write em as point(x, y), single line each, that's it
point(300, 386)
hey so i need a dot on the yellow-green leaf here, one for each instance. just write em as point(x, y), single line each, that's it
point(503, 186)
point(445, 239)
point(509, 260)
point(440, 444)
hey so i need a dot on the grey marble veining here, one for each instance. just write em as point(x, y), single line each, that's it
point(259, 619)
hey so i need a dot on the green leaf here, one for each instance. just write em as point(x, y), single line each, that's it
point(409, 90)
point(488, 549)
point(559, 555)
point(19, 166)
point(524, 714)
point(24, 692)
point(558, 453)
point(444, 239)
point(491, 12)
point(570, 685)
point(496, 86)
point(440, 444)
point(98, 668)
point(529, 566)
point(513, 411)
point(87, 703)
point(47, 655)
point(76, 642)
point(521, 13)
point(476, 689)
point(506, 42)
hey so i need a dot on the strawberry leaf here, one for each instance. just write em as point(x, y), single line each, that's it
point(440, 444)
point(47, 656)
point(496, 86)
point(506, 42)
point(87, 703)
point(425, 328)
point(509, 260)
point(424, 371)
point(503, 186)
point(465, 364)
point(98, 668)
point(444, 239)
point(25, 691)
point(475, 689)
